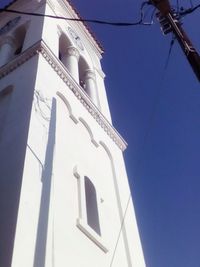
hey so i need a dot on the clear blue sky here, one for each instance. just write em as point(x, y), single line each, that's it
point(158, 112)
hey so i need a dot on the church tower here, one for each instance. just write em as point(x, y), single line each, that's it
point(64, 193)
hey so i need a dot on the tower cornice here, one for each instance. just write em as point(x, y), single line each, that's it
point(41, 48)
point(67, 5)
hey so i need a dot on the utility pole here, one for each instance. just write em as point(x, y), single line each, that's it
point(170, 23)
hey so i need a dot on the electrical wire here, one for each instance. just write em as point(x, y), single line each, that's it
point(149, 127)
point(181, 11)
point(153, 15)
point(177, 4)
point(191, 3)
point(103, 22)
point(170, 51)
point(96, 21)
point(121, 227)
point(151, 20)
point(151, 119)
point(189, 10)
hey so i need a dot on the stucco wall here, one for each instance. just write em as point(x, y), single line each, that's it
point(64, 139)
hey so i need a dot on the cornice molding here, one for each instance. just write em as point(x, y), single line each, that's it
point(41, 48)
point(19, 60)
point(67, 5)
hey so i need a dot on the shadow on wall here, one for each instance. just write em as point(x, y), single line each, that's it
point(14, 125)
point(40, 250)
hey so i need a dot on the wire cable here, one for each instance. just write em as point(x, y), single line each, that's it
point(189, 10)
point(96, 21)
point(103, 22)
point(170, 51)
point(153, 15)
point(148, 129)
point(191, 3)
point(121, 227)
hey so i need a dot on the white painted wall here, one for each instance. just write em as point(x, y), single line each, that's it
point(64, 143)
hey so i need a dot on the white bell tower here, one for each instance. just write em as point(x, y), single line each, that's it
point(64, 193)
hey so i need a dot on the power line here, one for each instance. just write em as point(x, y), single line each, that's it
point(96, 21)
point(151, 119)
point(189, 10)
point(123, 24)
point(170, 51)
point(104, 22)
point(119, 234)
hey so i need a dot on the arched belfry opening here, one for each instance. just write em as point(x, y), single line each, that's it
point(83, 66)
point(87, 80)
point(78, 67)
point(19, 36)
point(11, 44)
point(64, 43)
point(69, 56)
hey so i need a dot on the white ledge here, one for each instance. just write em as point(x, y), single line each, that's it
point(62, 72)
point(89, 232)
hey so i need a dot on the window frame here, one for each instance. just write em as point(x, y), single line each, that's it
point(81, 221)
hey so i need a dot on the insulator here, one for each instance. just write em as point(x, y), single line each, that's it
point(165, 25)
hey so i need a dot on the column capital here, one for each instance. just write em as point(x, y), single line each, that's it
point(8, 40)
point(73, 51)
point(89, 74)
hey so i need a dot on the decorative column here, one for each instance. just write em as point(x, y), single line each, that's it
point(7, 49)
point(70, 60)
point(90, 86)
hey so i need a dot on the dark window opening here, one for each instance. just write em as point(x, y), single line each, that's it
point(18, 50)
point(60, 56)
point(5, 98)
point(91, 206)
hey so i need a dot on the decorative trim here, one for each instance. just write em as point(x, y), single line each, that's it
point(89, 74)
point(81, 221)
point(41, 48)
point(67, 5)
point(68, 107)
point(89, 232)
point(89, 131)
point(100, 72)
point(73, 51)
point(19, 60)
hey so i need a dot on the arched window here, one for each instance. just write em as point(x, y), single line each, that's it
point(83, 67)
point(64, 43)
point(88, 212)
point(78, 67)
point(12, 44)
point(87, 80)
point(91, 206)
